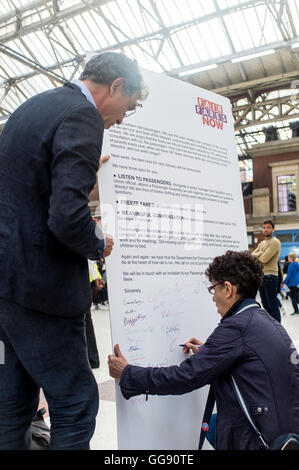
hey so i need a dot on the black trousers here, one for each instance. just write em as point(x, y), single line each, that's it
point(294, 297)
point(48, 352)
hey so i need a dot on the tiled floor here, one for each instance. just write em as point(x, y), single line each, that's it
point(105, 433)
point(105, 436)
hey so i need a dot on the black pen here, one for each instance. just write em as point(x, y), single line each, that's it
point(184, 346)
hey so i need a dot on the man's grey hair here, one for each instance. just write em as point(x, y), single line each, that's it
point(104, 68)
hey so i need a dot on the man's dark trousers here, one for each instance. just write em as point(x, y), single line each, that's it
point(294, 297)
point(48, 352)
point(268, 293)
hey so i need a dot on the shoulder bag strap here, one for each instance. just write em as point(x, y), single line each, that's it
point(206, 417)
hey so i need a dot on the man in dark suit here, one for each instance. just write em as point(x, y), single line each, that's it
point(49, 157)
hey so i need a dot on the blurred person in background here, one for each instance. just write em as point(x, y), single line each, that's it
point(268, 252)
point(292, 281)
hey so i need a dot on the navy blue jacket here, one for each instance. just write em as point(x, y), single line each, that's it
point(49, 156)
point(257, 351)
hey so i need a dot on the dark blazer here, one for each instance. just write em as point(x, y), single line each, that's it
point(49, 157)
point(257, 351)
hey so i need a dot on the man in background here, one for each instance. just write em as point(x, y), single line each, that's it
point(49, 158)
point(98, 284)
point(268, 253)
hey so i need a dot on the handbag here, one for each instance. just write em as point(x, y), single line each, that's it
point(286, 441)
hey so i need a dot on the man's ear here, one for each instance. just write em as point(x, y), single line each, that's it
point(116, 85)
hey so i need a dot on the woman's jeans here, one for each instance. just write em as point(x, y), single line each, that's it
point(48, 352)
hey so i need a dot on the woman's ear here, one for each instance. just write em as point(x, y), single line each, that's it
point(229, 288)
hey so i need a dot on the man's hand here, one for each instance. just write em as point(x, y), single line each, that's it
point(109, 245)
point(116, 363)
point(191, 344)
point(104, 159)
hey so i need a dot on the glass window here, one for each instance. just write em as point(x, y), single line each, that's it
point(250, 239)
point(286, 189)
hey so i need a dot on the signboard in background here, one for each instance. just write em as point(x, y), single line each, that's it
point(171, 197)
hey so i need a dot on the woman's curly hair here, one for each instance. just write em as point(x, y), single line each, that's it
point(240, 268)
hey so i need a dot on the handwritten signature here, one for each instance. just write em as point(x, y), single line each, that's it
point(133, 302)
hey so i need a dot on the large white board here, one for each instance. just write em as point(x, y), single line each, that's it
point(171, 196)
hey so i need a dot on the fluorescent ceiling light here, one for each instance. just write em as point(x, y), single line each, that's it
point(253, 56)
point(199, 69)
point(295, 45)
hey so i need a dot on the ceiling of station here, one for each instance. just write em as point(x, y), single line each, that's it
point(247, 50)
